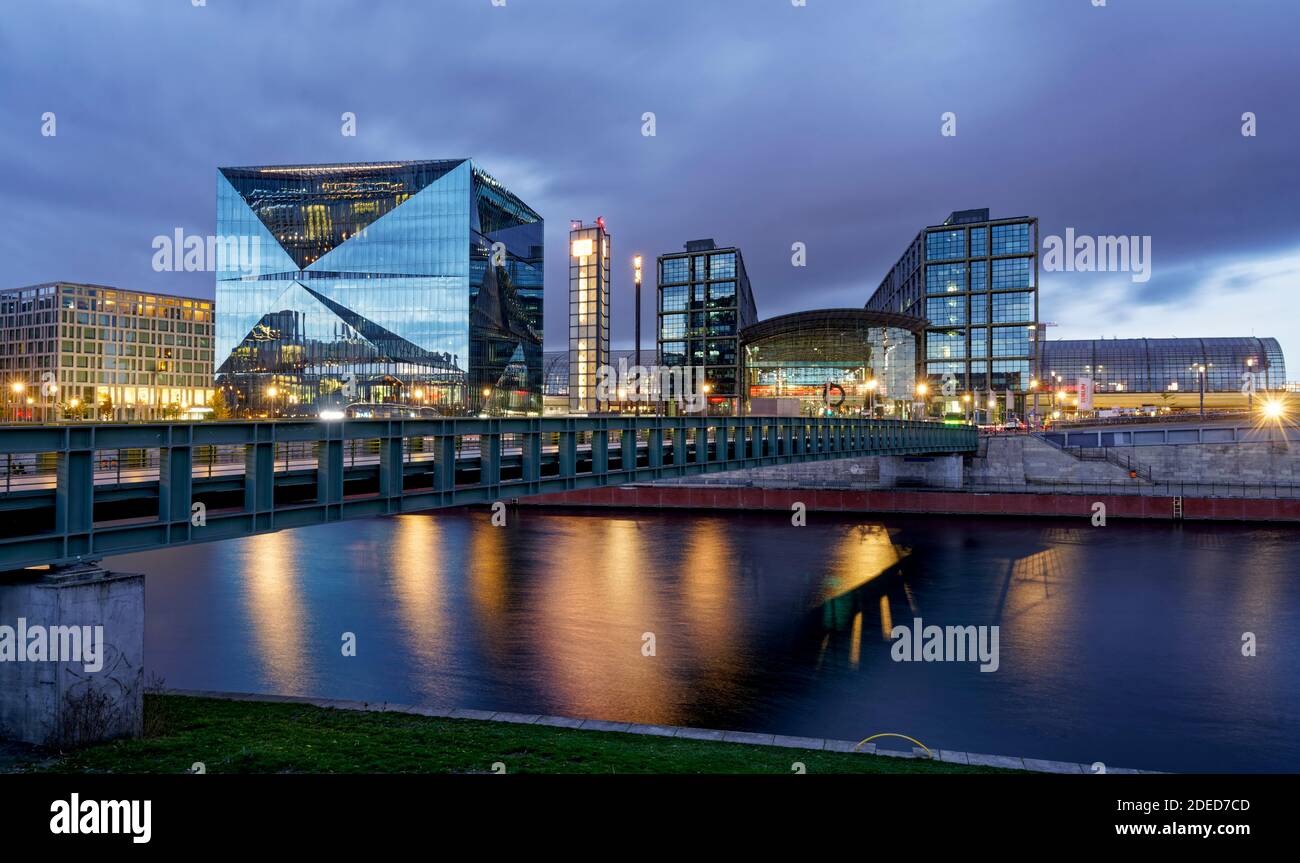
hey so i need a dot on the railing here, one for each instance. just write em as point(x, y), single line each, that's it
point(80, 492)
point(1115, 457)
point(1175, 434)
point(1258, 491)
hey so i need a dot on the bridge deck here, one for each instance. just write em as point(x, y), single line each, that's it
point(79, 492)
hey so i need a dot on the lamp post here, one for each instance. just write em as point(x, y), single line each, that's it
point(1200, 377)
point(636, 277)
point(966, 398)
point(1250, 389)
point(872, 386)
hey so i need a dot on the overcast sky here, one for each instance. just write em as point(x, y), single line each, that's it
point(774, 124)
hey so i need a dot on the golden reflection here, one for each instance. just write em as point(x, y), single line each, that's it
point(598, 603)
point(862, 555)
point(886, 619)
point(275, 607)
point(489, 572)
point(1042, 615)
point(855, 641)
point(419, 586)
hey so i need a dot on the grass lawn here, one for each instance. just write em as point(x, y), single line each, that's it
point(262, 737)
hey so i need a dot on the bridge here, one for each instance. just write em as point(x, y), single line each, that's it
point(77, 492)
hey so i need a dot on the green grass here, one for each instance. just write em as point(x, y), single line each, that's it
point(262, 737)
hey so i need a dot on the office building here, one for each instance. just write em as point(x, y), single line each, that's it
point(73, 351)
point(975, 280)
point(704, 301)
point(414, 283)
point(834, 362)
point(588, 313)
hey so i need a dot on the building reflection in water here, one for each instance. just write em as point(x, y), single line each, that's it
point(273, 594)
point(598, 601)
point(418, 576)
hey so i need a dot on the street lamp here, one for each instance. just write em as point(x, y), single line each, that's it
point(872, 386)
point(1250, 390)
point(966, 398)
point(636, 276)
point(1200, 377)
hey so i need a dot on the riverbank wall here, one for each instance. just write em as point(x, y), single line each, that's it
point(1026, 504)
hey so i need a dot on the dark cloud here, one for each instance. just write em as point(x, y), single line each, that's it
point(776, 124)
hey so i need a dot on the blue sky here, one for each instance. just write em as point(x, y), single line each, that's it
point(775, 124)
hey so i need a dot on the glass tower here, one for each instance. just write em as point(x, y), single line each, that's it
point(975, 280)
point(705, 300)
point(416, 284)
point(588, 313)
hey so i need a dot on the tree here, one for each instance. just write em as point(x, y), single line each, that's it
point(106, 409)
point(220, 408)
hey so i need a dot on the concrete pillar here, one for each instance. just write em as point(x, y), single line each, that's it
point(72, 657)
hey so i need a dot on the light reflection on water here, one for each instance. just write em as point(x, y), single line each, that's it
point(1119, 645)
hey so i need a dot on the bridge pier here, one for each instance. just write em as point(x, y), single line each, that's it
point(71, 656)
point(932, 471)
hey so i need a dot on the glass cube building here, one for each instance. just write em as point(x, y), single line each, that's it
point(705, 301)
point(414, 283)
point(975, 280)
point(836, 362)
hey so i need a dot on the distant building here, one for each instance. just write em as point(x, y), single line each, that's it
point(75, 351)
point(840, 362)
point(1135, 373)
point(557, 380)
point(975, 280)
point(412, 283)
point(588, 313)
point(705, 300)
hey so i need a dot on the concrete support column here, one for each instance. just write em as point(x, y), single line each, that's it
point(77, 673)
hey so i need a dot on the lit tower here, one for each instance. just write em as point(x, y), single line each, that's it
point(588, 313)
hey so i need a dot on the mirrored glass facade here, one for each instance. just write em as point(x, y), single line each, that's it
point(398, 282)
point(835, 361)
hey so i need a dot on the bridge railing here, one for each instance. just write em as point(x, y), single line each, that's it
point(82, 492)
